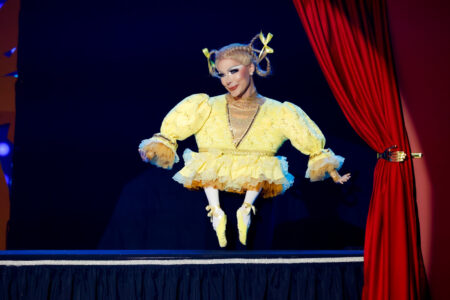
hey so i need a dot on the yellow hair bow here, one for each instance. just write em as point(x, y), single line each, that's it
point(211, 64)
point(265, 41)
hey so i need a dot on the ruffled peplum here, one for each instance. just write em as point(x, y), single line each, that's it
point(235, 173)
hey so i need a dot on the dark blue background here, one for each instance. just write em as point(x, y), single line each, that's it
point(97, 77)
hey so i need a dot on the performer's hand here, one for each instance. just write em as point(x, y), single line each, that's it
point(146, 155)
point(338, 178)
point(142, 154)
point(344, 178)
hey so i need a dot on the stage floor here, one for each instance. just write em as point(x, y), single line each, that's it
point(190, 274)
point(32, 254)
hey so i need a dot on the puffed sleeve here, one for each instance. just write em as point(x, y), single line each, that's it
point(306, 137)
point(184, 120)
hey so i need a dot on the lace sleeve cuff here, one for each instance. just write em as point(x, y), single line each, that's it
point(159, 151)
point(320, 164)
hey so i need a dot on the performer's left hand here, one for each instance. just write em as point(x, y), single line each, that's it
point(343, 178)
point(338, 178)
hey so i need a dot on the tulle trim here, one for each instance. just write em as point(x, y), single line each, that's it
point(320, 165)
point(158, 153)
point(268, 190)
point(234, 173)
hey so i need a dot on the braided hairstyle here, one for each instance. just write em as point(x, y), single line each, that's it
point(245, 54)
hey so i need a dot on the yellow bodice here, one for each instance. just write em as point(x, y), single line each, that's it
point(262, 136)
point(207, 118)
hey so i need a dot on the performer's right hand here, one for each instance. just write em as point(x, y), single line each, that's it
point(146, 155)
point(142, 154)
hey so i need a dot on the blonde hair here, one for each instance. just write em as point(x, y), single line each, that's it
point(245, 54)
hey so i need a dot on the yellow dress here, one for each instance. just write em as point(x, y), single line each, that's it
point(253, 164)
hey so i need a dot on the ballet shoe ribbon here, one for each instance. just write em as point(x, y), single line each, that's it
point(212, 211)
point(250, 207)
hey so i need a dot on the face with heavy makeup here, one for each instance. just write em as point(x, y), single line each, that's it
point(236, 77)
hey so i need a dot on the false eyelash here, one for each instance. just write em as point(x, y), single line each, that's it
point(232, 71)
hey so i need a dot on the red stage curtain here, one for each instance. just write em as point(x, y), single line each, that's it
point(350, 39)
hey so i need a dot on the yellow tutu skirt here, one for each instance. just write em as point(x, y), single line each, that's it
point(235, 173)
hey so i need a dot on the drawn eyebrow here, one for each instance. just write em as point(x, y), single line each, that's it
point(231, 68)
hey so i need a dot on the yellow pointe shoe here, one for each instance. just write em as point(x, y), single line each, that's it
point(215, 212)
point(243, 226)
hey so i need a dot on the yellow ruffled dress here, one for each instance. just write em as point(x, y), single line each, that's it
point(252, 164)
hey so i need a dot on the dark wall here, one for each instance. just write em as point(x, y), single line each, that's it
point(97, 77)
point(421, 47)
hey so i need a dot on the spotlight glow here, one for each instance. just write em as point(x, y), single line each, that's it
point(10, 52)
point(7, 179)
point(13, 74)
point(4, 149)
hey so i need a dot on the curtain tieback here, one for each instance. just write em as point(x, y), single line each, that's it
point(392, 156)
point(396, 156)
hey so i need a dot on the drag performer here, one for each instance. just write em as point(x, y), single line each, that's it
point(238, 135)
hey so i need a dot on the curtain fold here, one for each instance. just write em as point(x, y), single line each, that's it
point(350, 39)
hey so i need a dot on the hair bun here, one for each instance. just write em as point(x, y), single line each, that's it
point(247, 52)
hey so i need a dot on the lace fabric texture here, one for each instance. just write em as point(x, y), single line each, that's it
point(238, 138)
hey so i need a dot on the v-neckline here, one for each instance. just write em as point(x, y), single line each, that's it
point(249, 126)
